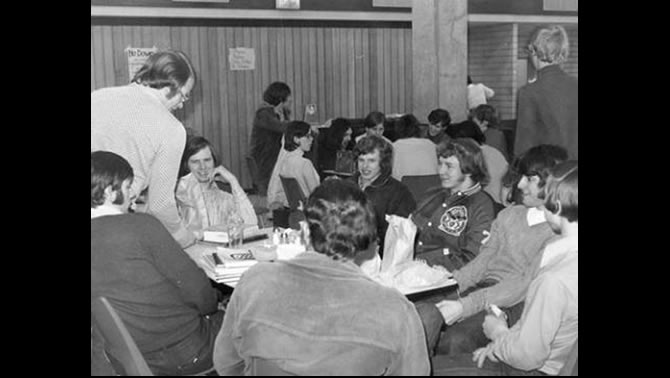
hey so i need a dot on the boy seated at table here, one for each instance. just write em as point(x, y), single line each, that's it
point(319, 313)
point(201, 203)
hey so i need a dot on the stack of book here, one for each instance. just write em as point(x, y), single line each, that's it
point(224, 269)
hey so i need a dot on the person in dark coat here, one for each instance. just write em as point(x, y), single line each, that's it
point(548, 108)
point(388, 195)
point(268, 127)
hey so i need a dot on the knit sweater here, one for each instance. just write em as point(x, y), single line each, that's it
point(510, 257)
point(134, 124)
point(159, 292)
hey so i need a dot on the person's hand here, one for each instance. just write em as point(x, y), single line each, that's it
point(315, 129)
point(494, 326)
point(327, 123)
point(451, 310)
point(225, 174)
point(481, 354)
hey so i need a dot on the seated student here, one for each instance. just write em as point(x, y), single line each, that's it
point(202, 205)
point(318, 313)
point(374, 125)
point(501, 273)
point(297, 140)
point(496, 164)
point(388, 195)
point(541, 341)
point(439, 120)
point(412, 155)
point(453, 220)
point(486, 118)
point(165, 300)
point(332, 140)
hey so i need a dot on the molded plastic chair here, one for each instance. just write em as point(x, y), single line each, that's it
point(118, 342)
point(295, 196)
point(418, 185)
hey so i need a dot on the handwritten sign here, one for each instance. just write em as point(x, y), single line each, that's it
point(136, 58)
point(241, 58)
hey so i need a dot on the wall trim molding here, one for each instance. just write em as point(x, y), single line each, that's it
point(273, 14)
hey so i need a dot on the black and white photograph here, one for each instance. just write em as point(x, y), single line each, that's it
point(349, 187)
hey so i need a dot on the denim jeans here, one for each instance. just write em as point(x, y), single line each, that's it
point(190, 356)
point(462, 365)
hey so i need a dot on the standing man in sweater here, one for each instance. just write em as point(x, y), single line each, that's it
point(548, 107)
point(507, 261)
point(136, 122)
point(163, 298)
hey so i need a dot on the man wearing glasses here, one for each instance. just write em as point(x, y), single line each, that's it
point(136, 122)
point(547, 111)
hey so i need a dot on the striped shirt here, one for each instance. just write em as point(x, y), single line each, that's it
point(133, 123)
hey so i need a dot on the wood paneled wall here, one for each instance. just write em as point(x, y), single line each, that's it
point(491, 58)
point(346, 71)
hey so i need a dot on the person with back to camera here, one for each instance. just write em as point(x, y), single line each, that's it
point(163, 298)
point(387, 195)
point(268, 127)
point(478, 94)
point(541, 342)
point(374, 125)
point(201, 203)
point(486, 118)
point(298, 140)
point(412, 155)
point(547, 109)
point(438, 121)
point(319, 313)
point(136, 122)
point(509, 258)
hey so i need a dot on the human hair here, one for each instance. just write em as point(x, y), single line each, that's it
point(467, 129)
point(340, 219)
point(373, 119)
point(276, 93)
point(550, 44)
point(407, 126)
point(469, 155)
point(168, 68)
point(338, 127)
point(439, 117)
point(539, 160)
point(107, 169)
point(194, 145)
point(295, 129)
point(369, 144)
point(562, 188)
point(486, 112)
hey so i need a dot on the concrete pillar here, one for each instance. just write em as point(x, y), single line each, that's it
point(440, 57)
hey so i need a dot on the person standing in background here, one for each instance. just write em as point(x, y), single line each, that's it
point(478, 94)
point(268, 127)
point(136, 122)
point(548, 108)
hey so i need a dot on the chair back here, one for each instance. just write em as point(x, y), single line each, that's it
point(570, 367)
point(118, 342)
point(418, 185)
point(294, 194)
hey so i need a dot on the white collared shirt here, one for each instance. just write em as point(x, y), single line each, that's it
point(104, 210)
point(535, 216)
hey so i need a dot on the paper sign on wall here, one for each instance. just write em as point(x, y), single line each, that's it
point(136, 58)
point(241, 58)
